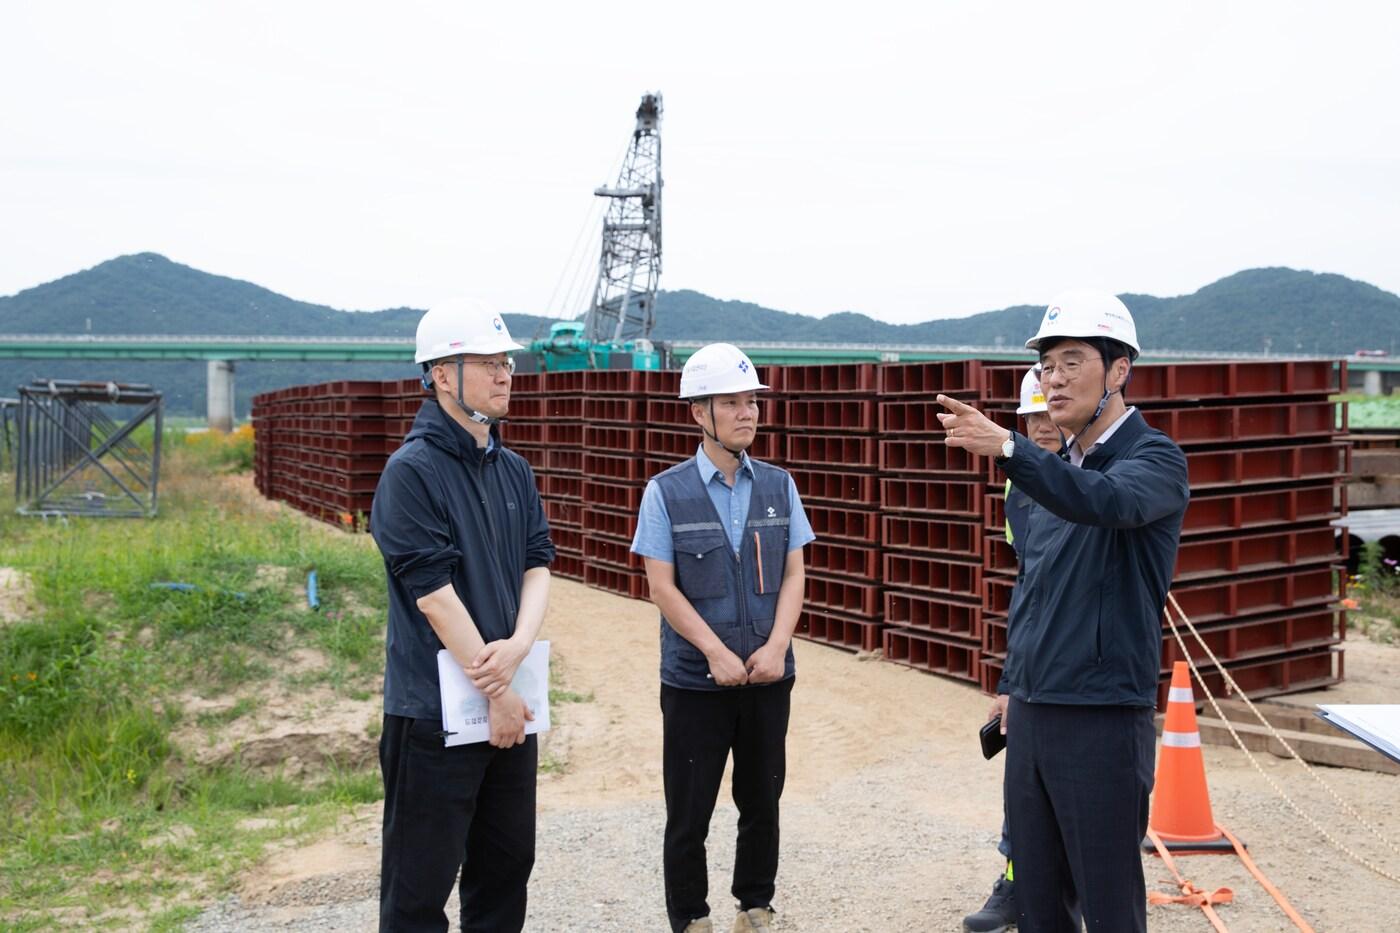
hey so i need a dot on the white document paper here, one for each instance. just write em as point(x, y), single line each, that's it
point(1376, 725)
point(464, 708)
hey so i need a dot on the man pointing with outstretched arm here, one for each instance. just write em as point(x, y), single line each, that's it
point(1085, 626)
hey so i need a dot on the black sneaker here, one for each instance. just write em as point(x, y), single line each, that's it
point(998, 914)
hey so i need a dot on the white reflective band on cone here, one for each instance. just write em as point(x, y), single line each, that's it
point(1181, 739)
point(1180, 695)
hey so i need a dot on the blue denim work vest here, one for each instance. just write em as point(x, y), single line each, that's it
point(736, 595)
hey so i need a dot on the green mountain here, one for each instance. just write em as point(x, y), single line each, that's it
point(1286, 310)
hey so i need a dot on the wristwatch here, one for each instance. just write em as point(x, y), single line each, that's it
point(1008, 447)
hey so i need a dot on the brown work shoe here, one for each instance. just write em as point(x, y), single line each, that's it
point(754, 920)
point(702, 925)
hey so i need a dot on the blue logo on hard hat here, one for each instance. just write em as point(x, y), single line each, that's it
point(498, 324)
point(743, 366)
point(1053, 313)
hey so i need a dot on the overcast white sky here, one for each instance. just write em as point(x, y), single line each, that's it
point(909, 161)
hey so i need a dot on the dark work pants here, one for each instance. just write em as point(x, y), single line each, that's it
point(699, 730)
point(471, 807)
point(1078, 780)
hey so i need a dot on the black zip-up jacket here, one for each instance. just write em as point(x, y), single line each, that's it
point(445, 511)
point(1097, 558)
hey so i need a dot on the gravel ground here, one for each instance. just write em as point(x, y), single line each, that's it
point(890, 817)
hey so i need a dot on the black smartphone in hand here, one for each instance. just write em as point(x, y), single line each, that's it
point(992, 739)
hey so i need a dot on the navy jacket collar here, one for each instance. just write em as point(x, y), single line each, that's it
point(433, 425)
point(1128, 432)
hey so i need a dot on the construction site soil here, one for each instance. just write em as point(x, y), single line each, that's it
point(890, 817)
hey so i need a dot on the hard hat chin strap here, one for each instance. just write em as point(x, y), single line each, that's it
point(1107, 396)
point(467, 410)
point(738, 455)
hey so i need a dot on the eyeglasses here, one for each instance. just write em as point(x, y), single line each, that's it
point(491, 366)
point(1069, 369)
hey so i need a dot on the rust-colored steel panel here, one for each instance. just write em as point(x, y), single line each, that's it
point(956, 378)
point(1273, 550)
point(611, 495)
point(947, 656)
point(831, 628)
point(827, 450)
point(933, 613)
point(852, 490)
point(928, 456)
point(620, 526)
point(1258, 637)
point(1262, 677)
point(610, 438)
point(843, 560)
point(1213, 600)
point(851, 525)
point(914, 533)
point(613, 409)
point(613, 553)
point(854, 415)
point(943, 497)
point(614, 382)
point(955, 579)
point(617, 580)
point(620, 468)
point(861, 599)
point(830, 379)
point(1306, 502)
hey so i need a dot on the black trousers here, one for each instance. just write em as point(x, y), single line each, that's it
point(471, 807)
point(1078, 780)
point(700, 728)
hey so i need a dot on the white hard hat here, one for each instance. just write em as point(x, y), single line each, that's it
point(461, 326)
point(1032, 395)
point(718, 369)
point(1083, 313)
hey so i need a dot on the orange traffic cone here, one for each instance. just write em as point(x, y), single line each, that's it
point(1181, 815)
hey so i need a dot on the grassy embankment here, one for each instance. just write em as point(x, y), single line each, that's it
point(104, 819)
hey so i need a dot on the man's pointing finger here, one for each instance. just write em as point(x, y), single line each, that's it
point(955, 406)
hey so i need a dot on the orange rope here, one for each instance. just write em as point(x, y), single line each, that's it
point(1199, 897)
point(1190, 894)
point(1274, 892)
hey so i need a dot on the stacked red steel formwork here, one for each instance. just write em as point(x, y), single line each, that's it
point(833, 457)
point(1258, 565)
point(320, 448)
point(910, 554)
point(932, 502)
point(614, 476)
point(545, 426)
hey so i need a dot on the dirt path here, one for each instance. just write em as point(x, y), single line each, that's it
point(890, 816)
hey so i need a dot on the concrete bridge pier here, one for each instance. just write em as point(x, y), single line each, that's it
point(220, 395)
point(1372, 383)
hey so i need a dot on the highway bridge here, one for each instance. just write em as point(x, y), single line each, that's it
point(1370, 373)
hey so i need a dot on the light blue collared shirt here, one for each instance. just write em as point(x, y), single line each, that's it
point(653, 538)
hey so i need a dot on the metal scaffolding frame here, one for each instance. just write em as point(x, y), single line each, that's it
point(79, 451)
point(624, 307)
point(9, 412)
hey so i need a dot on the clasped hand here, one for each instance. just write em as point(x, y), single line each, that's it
point(495, 666)
point(508, 715)
point(764, 666)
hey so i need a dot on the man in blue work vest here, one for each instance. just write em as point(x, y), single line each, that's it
point(722, 536)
